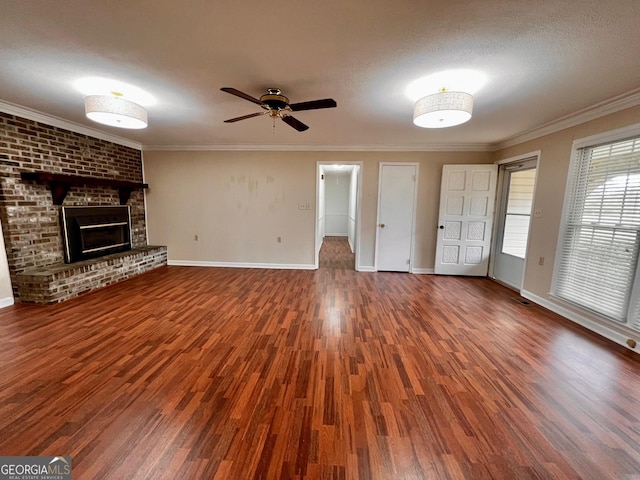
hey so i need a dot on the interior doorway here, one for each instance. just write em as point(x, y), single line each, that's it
point(517, 179)
point(338, 197)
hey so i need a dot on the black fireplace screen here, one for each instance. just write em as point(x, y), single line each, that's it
point(91, 232)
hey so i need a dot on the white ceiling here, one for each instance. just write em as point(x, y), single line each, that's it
point(340, 170)
point(544, 60)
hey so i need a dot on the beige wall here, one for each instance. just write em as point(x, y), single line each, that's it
point(238, 203)
point(552, 176)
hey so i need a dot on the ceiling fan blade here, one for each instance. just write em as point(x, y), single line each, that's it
point(314, 104)
point(244, 117)
point(295, 123)
point(240, 94)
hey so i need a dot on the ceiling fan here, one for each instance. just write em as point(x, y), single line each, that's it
point(277, 105)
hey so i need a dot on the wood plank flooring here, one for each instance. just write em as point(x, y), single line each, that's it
point(211, 373)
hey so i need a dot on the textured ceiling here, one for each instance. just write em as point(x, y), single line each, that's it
point(543, 60)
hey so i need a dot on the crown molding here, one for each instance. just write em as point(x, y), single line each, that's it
point(470, 147)
point(40, 117)
point(613, 105)
point(47, 119)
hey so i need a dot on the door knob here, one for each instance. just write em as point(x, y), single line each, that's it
point(441, 227)
point(382, 225)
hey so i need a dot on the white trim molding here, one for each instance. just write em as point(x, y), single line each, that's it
point(608, 332)
point(47, 119)
point(423, 271)
point(6, 302)
point(464, 147)
point(519, 158)
point(613, 105)
point(606, 137)
point(276, 266)
point(366, 269)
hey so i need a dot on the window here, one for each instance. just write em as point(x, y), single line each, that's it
point(517, 215)
point(599, 245)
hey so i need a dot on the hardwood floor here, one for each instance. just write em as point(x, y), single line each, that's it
point(211, 373)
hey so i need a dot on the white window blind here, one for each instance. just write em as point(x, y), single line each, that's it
point(598, 251)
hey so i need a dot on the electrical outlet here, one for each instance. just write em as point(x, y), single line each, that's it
point(301, 206)
point(537, 213)
point(307, 206)
point(541, 261)
point(279, 240)
point(196, 237)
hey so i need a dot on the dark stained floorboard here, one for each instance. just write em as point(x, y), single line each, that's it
point(202, 373)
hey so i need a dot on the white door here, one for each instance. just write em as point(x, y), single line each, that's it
point(396, 216)
point(512, 224)
point(467, 198)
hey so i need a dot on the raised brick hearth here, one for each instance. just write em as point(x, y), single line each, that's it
point(60, 282)
point(31, 219)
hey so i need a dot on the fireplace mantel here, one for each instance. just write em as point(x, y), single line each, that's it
point(59, 184)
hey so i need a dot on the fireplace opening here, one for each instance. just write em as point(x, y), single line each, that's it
point(91, 232)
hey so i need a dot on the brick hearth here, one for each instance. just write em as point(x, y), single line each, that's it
point(60, 282)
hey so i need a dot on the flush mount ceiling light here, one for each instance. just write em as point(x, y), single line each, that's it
point(110, 86)
point(459, 80)
point(115, 111)
point(443, 109)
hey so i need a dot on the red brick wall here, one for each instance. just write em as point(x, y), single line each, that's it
point(30, 221)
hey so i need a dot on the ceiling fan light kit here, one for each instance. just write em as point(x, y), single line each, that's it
point(115, 111)
point(277, 105)
point(443, 109)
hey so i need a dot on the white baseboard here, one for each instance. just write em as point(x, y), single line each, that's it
point(597, 327)
point(417, 271)
point(6, 302)
point(423, 271)
point(276, 266)
point(364, 268)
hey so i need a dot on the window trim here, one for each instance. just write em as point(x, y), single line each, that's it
point(578, 144)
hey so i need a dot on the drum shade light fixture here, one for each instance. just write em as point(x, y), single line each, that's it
point(443, 109)
point(115, 111)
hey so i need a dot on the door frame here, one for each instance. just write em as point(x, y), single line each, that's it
point(500, 199)
point(317, 242)
point(413, 218)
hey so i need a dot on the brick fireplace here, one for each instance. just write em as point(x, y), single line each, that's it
point(31, 219)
